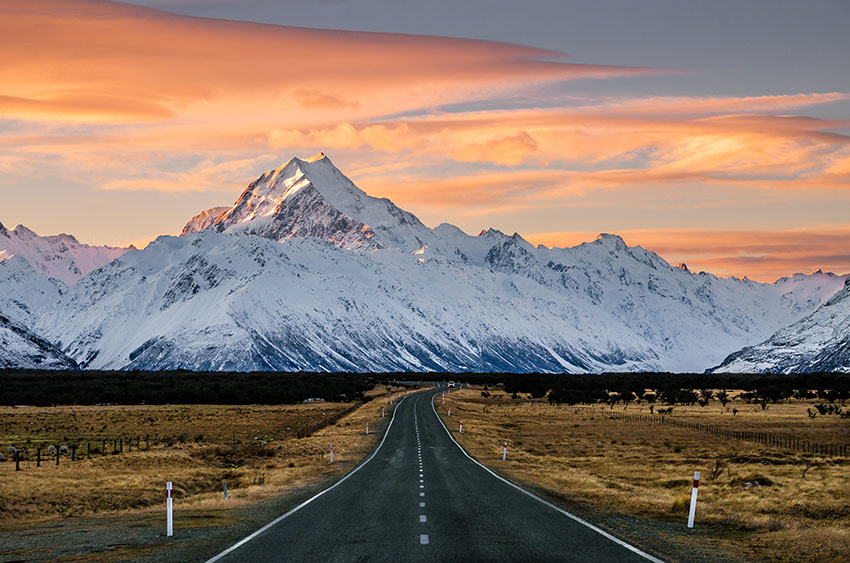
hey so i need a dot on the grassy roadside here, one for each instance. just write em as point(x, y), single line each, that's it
point(112, 506)
point(755, 502)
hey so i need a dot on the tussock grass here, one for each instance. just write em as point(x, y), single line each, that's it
point(196, 450)
point(756, 500)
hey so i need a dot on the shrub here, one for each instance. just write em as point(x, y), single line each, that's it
point(680, 504)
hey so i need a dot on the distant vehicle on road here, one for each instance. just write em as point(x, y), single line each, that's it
point(451, 383)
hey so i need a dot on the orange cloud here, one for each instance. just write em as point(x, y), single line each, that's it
point(510, 150)
point(312, 98)
point(127, 62)
point(90, 107)
point(227, 177)
point(134, 100)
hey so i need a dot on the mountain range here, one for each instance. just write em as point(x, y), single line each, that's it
point(305, 271)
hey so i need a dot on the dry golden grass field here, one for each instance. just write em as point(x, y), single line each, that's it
point(193, 446)
point(756, 502)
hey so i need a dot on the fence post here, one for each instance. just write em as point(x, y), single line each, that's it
point(224, 483)
point(169, 516)
point(38, 457)
point(17, 461)
point(693, 508)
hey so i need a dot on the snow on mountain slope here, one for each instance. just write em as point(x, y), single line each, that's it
point(22, 349)
point(218, 301)
point(307, 272)
point(819, 342)
point(25, 294)
point(312, 198)
point(224, 301)
point(61, 257)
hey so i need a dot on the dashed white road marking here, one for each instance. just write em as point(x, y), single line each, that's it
point(423, 518)
point(423, 539)
point(421, 494)
point(421, 486)
point(421, 505)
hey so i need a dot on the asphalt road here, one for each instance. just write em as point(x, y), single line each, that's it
point(421, 498)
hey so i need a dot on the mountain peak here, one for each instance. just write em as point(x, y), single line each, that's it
point(317, 157)
point(683, 266)
point(610, 241)
point(490, 232)
point(312, 198)
point(24, 232)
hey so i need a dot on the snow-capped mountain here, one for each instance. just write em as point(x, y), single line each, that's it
point(61, 257)
point(306, 271)
point(819, 342)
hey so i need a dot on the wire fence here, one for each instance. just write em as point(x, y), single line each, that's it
point(767, 438)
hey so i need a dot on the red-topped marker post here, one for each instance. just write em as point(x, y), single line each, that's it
point(693, 500)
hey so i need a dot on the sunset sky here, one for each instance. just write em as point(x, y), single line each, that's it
point(715, 133)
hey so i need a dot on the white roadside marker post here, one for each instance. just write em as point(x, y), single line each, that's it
point(367, 428)
point(693, 500)
point(169, 511)
point(450, 411)
point(225, 489)
point(461, 427)
point(332, 453)
point(382, 413)
point(505, 452)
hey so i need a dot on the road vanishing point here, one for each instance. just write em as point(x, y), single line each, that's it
point(420, 497)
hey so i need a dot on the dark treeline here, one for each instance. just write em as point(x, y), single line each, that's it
point(41, 388)
point(666, 388)
point(33, 387)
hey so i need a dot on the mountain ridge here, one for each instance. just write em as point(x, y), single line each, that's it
point(305, 271)
point(60, 256)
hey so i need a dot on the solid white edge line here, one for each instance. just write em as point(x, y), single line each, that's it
point(537, 498)
point(311, 499)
